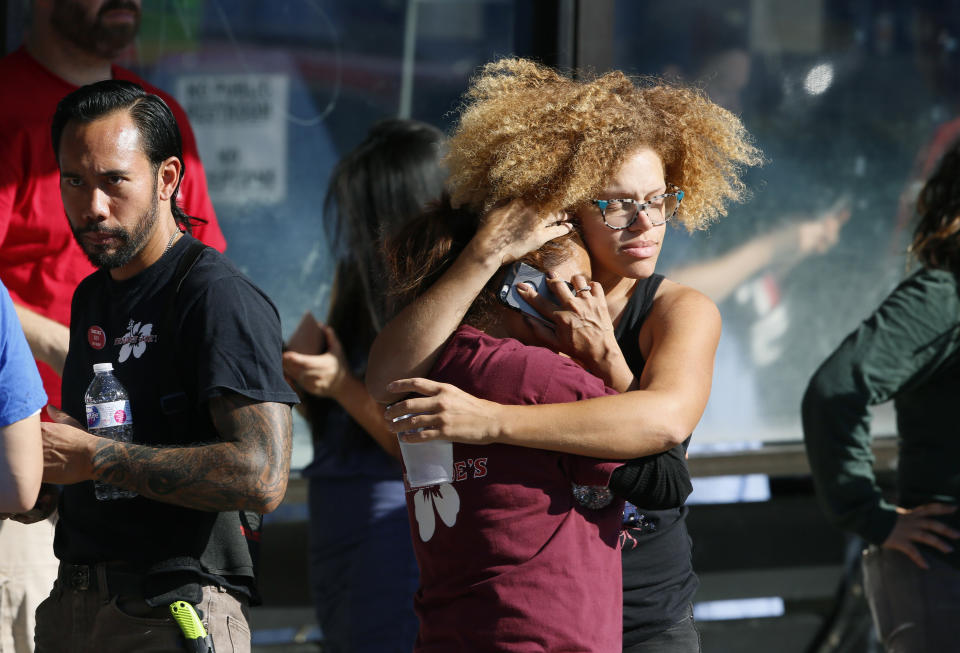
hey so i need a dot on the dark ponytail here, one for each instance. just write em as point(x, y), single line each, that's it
point(936, 240)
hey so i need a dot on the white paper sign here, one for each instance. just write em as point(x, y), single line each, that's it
point(241, 128)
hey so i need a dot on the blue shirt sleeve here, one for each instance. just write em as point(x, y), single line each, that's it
point(21, 391)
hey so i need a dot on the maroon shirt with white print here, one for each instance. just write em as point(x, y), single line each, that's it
point(508, 560)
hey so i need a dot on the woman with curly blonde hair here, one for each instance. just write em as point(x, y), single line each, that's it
point(535, 155)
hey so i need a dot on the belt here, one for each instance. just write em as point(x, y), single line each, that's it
point(119, 580)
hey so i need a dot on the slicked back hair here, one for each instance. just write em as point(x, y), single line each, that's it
point(159, 134)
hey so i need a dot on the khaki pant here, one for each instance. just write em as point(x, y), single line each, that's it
point(97, 620)
point(27, 571)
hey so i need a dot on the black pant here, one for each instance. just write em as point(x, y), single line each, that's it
point(681, 637)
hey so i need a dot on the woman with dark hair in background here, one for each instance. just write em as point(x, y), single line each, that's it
point(363, 571)
point(908, 351)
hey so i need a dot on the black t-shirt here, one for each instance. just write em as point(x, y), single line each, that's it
point(225, 338)
point(658, 578)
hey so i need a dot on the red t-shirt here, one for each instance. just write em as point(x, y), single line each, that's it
point(40, 262)
point(508, 560)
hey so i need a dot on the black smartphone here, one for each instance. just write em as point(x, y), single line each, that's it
point(523, 273)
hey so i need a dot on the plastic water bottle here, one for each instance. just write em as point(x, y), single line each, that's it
point(108, 415)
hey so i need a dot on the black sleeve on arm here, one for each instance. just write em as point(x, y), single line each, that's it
point(656, 482)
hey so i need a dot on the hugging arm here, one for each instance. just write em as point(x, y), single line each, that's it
point(657, 482)
point(246, 470)
point(679, 339)
point(409, 344)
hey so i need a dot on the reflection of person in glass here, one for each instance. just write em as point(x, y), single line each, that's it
point(532, 148)
point(361, 560)
point(908, 350)
point(750, 265)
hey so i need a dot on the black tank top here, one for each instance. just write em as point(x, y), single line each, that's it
point(658, 578)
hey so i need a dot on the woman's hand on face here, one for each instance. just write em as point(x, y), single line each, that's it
point(443, 412)
point(583, 328)
point(319, 374)
point(918, 526)
point(511, 230)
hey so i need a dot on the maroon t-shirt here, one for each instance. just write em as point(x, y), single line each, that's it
point(508, 560)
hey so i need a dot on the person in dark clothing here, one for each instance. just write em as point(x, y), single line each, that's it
point(361, 560)
point(534, 153)
point(908, 350)
point(197, 346)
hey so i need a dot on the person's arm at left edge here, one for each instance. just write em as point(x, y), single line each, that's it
point(246, 470)
point(678, 340)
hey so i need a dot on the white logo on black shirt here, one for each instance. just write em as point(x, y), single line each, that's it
point(134, 340)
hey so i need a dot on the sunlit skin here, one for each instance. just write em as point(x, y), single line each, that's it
point(111, 193)
point(619, 258)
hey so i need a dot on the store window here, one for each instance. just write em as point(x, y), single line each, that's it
point(851, 102)
point(277, 90)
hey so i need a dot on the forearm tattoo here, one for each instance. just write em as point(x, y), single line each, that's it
point(246, 470)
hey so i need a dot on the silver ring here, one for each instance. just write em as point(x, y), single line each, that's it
point(586, 289)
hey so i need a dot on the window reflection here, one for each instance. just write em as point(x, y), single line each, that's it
point(842, 97)
point(276, 91)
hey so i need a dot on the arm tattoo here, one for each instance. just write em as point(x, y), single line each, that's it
point(246, 470)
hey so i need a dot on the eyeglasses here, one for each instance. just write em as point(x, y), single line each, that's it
point(619, 214)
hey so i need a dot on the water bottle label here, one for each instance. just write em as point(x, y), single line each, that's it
point(111, 413)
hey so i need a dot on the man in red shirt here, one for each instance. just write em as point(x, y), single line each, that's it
point(70, 43)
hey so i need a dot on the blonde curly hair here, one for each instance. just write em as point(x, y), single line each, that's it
point(528, 132)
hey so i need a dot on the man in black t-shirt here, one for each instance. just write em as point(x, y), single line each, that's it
point(197, 347)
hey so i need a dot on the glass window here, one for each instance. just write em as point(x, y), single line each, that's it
point(277, 91)
point(851, 102)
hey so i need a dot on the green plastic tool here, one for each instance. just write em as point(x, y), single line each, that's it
point(198, 639)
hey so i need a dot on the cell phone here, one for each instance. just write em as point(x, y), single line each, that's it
point(523, 273)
